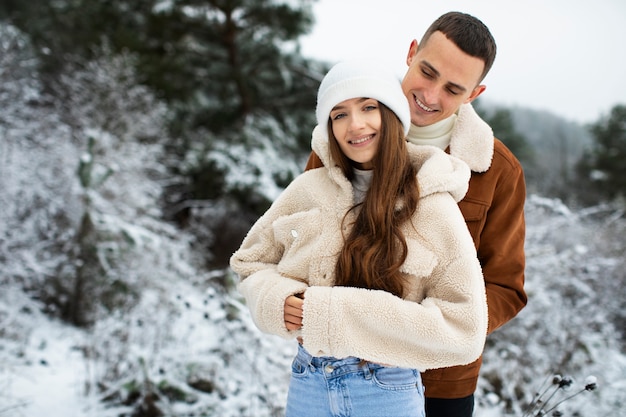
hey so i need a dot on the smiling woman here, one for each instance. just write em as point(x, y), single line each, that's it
point(539, 47)
point(355, 122)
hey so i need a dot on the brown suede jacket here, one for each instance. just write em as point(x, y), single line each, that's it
point(493, 209)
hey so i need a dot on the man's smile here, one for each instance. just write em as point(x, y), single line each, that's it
point(422, 105)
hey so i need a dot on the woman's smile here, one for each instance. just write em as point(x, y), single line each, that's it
point(362, 140)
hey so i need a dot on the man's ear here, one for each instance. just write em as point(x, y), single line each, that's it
point(478, 90)
point(412, 52)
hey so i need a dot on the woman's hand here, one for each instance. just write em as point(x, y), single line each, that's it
point(293, 311)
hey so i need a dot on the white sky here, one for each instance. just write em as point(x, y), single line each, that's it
point(566, 57)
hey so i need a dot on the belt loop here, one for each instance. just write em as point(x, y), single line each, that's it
point(305, 357)
point(367, 371)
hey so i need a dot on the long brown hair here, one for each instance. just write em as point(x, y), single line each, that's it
point(375, 248)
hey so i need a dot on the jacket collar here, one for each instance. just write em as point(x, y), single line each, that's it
point(472, 140)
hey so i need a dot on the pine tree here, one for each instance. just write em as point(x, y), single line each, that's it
point(602, 167)
point(216, 61)
point(501, 121)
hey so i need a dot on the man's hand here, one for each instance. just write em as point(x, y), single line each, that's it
point(293, 311)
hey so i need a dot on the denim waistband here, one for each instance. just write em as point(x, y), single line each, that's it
point(332, 366)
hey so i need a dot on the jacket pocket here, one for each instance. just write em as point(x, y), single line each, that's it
point(299, 235)
point(474, 213)
point(420, 261)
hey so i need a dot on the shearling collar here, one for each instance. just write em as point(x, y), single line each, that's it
point(472, 139)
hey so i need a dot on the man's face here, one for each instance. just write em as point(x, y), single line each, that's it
point(440, 78)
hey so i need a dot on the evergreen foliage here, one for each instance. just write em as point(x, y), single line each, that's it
point(217, 61)
point(501, 121)
point(602, 167)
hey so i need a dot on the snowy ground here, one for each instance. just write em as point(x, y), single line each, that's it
point(182, 330)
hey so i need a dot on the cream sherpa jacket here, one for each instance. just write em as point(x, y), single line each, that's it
point(293, 248)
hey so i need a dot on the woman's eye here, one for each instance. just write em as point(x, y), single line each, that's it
point(338, 116)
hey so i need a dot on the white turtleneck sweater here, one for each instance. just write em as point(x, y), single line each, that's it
point(361, 183)
point(437, 134)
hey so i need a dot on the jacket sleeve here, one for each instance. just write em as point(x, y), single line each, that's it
point(261, 284)
point(265, 293)
point(444, 328)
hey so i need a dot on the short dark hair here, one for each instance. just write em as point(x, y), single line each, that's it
point(468, 33)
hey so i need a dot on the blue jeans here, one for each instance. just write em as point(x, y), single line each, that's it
point(330, 387)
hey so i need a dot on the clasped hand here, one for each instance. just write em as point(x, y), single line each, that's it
point(293, 311)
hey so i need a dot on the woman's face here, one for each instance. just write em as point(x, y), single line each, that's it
point(356, 126)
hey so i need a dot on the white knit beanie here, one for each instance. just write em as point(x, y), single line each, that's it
point(353, 79)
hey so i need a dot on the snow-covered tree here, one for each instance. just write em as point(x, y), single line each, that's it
point(231, 74)
point(82, 192)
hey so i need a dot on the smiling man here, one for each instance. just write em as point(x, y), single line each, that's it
point(436, 85)
point(445, 72)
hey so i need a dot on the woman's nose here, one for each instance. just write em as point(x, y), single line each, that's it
point(357, 121)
